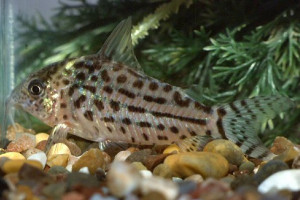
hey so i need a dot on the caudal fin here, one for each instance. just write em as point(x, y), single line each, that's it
point(240, 121)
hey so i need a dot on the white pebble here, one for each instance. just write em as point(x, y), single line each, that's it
point(146, 173)
point(84, 170)
point(122, 179)
point(157, 184)
point(100, 197)
point(283, 180)
point(69, 167)
point(122, 156)
point(177, 179)
point(40, 156)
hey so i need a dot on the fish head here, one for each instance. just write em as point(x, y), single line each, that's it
point(38, 94)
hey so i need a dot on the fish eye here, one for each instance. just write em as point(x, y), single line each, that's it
point(36, 87)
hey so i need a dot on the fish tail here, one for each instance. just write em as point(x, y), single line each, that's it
point(241, 120)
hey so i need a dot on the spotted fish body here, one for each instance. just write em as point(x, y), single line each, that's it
point(105, 97)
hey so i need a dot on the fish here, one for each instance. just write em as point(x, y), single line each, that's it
point(107, 97)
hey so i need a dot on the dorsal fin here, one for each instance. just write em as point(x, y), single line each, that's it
point(118, 46)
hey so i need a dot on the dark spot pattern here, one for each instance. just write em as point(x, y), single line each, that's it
point(108, 119)
point(80, 76)
point(109, 129)
point(104, 76)
point(153, 86)
point(162, 137)
point(80, 100)
point(203, 108)
point(145, 136)
point(174, 129)
point(182, 137)
point(63, 105)
point(115, 105)
point(144, 124)
point(133, 139)
point(167, 88)
point(107, 89)
point(138, 84)
point(88, 115)
point(181, 118)
point(94, 78)
point(72, 89)
point(161, 127)
point(65, 117)
point(192, 133)
point(159, 100)
point(126, 93)
point(92, 89)
point(121, 78)
point(126, 121)
point(99, 104)
point(117, 67)
point(208, 132)
point(134, 73)
point(179, 101)
point(136, 109)
point(123, 130)
point(65, 81)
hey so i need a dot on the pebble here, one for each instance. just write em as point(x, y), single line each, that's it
point(207, 164)
point(74, 149)
point(173, 148)
point(248, 166)
point(280, 145)
point(30, 173)
point(146, 173)
point(16, 128)
point(12, 166)
point(30, 152)
point(55, 190)
point(13, 156)
point(212, 189)
point(139, 156)
point(56, 170)
point(41, 137)
point(226, 148)
point(283, 180)
point(166, 188)
point(153, 160)
point(197, 178)
point(100, 174)
point(73, 196)
point(139, 166)
point(58, 155)
point(3, 186)
point(241, 180)
point(58, 160)
point(22, 142)
point(79, 179)
point(122, 156)
point(84, 170)
point(59, 148)
point(163, 170)
point(270, 168)
point(40, 157)
point(153, 195)
point(41, 145)
point(26, 190)
point(71, 161)
point(93, 159)
point(122, 179)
